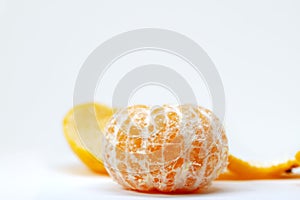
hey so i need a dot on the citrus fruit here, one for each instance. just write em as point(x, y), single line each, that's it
point(82, 128)
point(164, 148)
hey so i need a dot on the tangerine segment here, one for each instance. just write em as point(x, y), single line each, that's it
point(242, 170)
point(82, 128)
point(164, 148)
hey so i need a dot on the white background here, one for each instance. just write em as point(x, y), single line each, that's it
point(255, 46)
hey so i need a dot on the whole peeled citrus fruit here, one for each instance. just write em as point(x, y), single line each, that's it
point(164, 148)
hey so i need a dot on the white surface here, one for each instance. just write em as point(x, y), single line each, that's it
point(255, 46)
point(73, 181)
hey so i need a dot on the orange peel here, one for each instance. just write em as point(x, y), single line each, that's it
point(228, 175)
point(239, 169)
point(298, 157)
point(82, 127)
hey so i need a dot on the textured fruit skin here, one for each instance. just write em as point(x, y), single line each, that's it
point(86, 128)
point(166, 148)
point(87, 158)
point(248, 171)
point(298, 157)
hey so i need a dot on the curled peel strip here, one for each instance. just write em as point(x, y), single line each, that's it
point(241, 170)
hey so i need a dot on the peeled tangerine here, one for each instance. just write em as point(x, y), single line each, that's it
point(165, 148)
